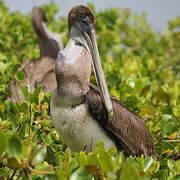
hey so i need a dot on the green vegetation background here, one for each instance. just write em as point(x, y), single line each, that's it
point(142, 70)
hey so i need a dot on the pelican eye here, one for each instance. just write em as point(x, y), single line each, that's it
point(85, 24)
point(84, 21)
point(78, 43)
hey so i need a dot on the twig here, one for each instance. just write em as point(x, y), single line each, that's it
point(175, 140)
point(11, 178)
point(19, 175)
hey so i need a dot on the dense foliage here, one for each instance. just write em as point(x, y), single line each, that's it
point(142, 70)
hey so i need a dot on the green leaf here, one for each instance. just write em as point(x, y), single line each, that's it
point(169, 128)
point(20, 75)
point(50, 177)
point(14, 163)
point(14, 147)
point(100, 145)
point(163, 95)
point(25, 92)
point(138, 86)
point(171, 164)
point(82, 159)
point(105, 161)
point(3, 142)
point(145, 90)
point(177, 177)
point(45, 170)
point(129, 172)
point(80, 174)
point(2, 57)
point(38, 154)
point(147, 163)
point(23, 107)
point(34, 97)
point(131, 101)
point(3, 172)
point(92, 158)
point(148, 110)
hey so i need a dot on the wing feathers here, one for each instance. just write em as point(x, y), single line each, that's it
point(125, 127)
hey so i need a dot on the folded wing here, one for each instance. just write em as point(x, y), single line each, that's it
point(124, 126)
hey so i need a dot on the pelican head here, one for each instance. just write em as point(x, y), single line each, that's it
point(82, 51)
point(49, 42)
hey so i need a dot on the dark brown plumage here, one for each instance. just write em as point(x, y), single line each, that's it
point(79, 12)
point(126, 127)
point(39, 71)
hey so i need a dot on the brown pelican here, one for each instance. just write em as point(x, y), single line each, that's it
point(83, 114)
point(39, 71)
